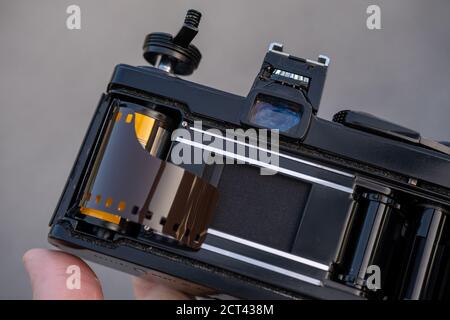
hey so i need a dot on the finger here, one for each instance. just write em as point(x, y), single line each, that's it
point(52, 274)
point(149, 290)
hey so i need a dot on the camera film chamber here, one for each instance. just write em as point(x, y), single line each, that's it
point(130, 182)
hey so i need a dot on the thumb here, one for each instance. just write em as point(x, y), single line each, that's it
point(58, 275)
point(146, 289)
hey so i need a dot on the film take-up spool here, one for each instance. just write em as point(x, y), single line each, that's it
point(130, 182)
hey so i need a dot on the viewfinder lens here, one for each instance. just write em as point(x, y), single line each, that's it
point(275, 113)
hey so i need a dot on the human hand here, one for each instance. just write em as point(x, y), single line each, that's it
point(47, 272)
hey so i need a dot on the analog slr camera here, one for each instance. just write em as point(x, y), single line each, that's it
point(255, 197)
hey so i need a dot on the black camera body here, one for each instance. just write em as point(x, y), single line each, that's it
point(356, 208)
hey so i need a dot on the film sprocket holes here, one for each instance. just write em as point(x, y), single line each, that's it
point(358, 208)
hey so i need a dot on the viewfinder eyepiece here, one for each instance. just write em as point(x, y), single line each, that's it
point(274, 113)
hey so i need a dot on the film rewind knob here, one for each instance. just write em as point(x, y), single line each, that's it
point(175, 55)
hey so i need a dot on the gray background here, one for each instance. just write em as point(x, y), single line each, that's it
point(51, 79)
